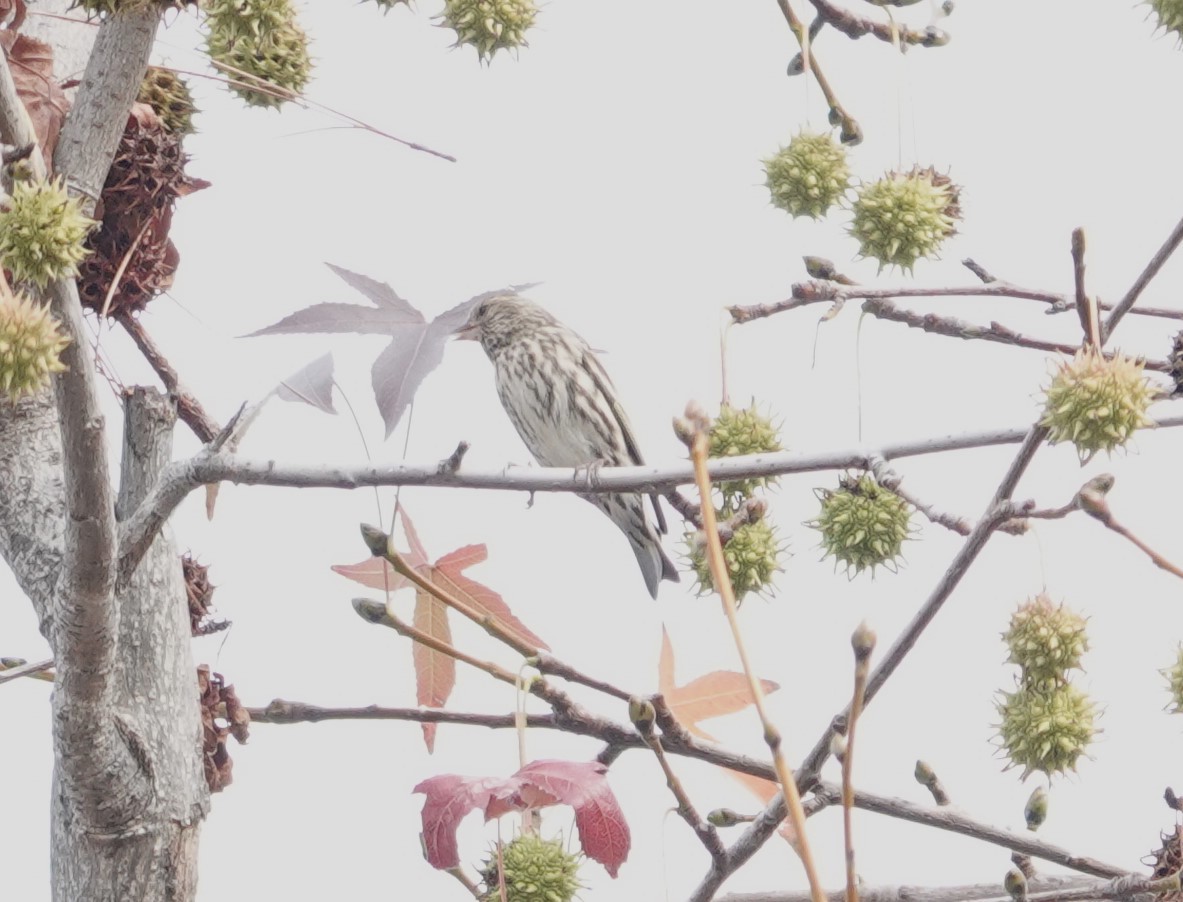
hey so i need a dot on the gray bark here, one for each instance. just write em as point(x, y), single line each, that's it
point(129, 792)
point(141, 844)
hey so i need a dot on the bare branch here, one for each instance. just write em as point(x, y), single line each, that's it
point(995, 332)
point(281, 711)
point(947, 818)
point(189, 409)
point(1131, 297)
point(1044, 889)
point(17, 671)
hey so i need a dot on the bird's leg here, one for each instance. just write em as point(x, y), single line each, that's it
point(591, 472)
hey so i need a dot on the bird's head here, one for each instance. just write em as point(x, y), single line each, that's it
point(499, 320)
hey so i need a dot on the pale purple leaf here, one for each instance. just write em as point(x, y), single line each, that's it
point(313, 385)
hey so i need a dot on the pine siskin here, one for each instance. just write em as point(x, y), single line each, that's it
point(565, 408)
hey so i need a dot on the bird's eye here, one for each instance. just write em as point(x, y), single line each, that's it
point(481, 310)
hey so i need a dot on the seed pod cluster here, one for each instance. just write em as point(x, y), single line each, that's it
point(1047, 723)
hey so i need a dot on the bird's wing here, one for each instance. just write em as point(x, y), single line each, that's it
point(600, 376)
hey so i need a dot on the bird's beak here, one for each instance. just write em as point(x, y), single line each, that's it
point(467, 332)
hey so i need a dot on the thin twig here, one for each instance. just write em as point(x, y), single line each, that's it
point(722, 581)
point(1085, 308)
point(643, 716)
point(890, 479)
point(1144, 278)
point(850, 129)
point(995, 332)
point(189, 409)
point(260, 87)
point(381, 545)
point(954, 821)
point(36, 671)
point(863, 643)
point(281, 711)
point(376, 612)
point(855, 26)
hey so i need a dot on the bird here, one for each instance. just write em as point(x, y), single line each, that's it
point(566, 410)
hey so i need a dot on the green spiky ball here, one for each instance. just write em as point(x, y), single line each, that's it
point(168, 94)
point(1169, 14)
point(42, 233)
point(809, 176)
point(490, 25)
point(905, 216)
point(1046, 727)
point(1045, 640)
point(260, 47)
point(742, 430)
point(535, 870)
point(863, 525)
point(387, 5)
point(1174, 678)
point(31, 343)
point(1097, 403)
point(752, 555)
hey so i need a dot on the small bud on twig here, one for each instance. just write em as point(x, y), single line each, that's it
point(1035, 811)
point(642, 714)
point(863, 642)
point(1015, 884)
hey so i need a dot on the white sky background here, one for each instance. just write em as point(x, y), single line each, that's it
point(618, 161)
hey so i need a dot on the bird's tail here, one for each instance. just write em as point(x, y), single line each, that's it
point(628, 513)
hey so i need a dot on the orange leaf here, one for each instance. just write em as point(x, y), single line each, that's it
point(435, 672)
point(713, 695)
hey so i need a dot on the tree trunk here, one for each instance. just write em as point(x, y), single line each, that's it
point(129, 791)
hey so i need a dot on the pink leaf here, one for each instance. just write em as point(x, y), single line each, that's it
point(373, 572)
point(603, 831)
point(450, 797)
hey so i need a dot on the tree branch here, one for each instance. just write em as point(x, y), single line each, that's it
point(1043, 889)
point(281, 711)
point(210, 466)
point(1131, 297)
point(946, 818)
point(997, 513)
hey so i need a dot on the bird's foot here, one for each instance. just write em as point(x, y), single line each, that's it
point(591, 473)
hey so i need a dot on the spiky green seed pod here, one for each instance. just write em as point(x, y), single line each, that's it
point(387, 5)
point(1045, 727)
point(260, 47)
point(489, 25)
point(809, 176)
point(752, 555)
point(42, 233)
point(1046, 640)
point(1174, 678)
point(1169, 14)
point(905, 216)
point(534, 869)
point(862, 524)
point(31, 343)
point(1097, 403)
point(737, 431)
point(168, 94)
